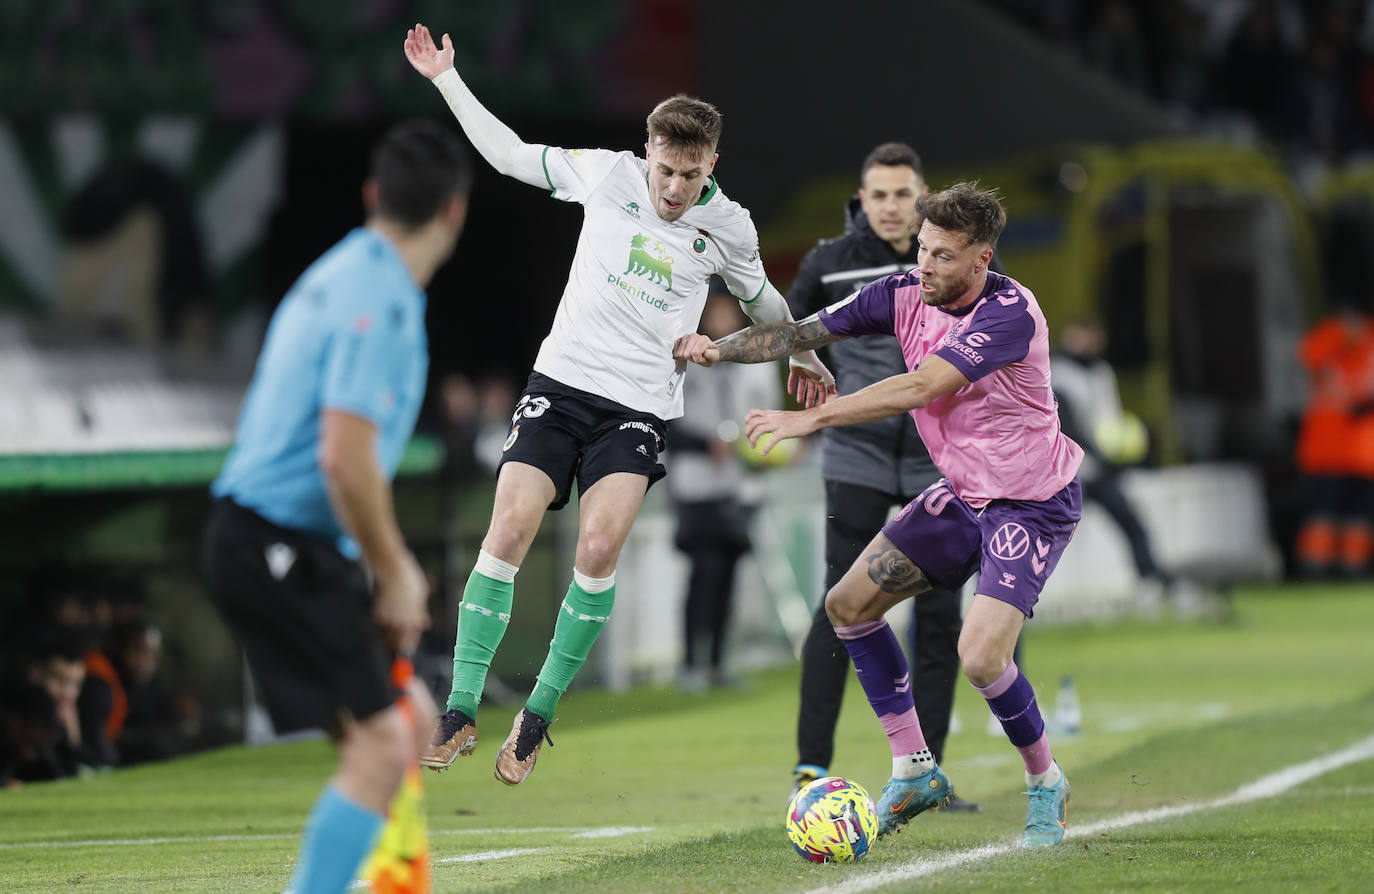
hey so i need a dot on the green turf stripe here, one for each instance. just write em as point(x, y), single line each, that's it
point(127, 470)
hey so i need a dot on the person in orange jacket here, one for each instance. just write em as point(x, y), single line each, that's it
point(1335, 449)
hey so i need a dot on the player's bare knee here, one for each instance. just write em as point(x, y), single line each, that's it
point(981, 665)
point(597, 554)
point(507, 538)
point(842, 611)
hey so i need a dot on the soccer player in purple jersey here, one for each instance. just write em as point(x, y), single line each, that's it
point(977, 348)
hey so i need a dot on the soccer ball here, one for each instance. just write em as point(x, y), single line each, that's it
point(832, 820)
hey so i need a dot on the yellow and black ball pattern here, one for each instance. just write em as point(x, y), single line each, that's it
point(832, 820)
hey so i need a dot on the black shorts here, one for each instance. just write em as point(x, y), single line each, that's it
point(565, 432)
point(303, 614)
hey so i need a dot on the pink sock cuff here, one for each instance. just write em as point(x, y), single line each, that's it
point(1037, 755)
point(1001, 684)
point(904, 733)
point(860, 630)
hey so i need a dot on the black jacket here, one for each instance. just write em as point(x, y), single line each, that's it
point(885, 454)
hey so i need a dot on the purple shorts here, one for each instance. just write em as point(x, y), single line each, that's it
point(1013, 544)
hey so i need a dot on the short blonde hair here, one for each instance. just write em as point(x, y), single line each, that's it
point(685, 122)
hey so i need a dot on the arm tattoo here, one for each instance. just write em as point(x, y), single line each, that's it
point(893, 572)
point(769, 341)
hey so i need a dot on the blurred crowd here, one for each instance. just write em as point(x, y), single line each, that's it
point(1300, 72)
point(83, 688)
point(474, 419)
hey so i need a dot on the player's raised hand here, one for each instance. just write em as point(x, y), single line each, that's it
point(696, 348)
point(781, 424)
point(424, 56)
point(808, 380)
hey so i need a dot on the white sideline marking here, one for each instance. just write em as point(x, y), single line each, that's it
point(571, 831)
point(1265, 787)
point(612, 832)
point(492, 855)
point(125, 842)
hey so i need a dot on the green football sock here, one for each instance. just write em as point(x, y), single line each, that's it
point(580, 620)
point(482, 618)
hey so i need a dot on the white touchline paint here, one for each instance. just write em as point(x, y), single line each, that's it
point(128, 842)
point(492, 855)
point(1265, 787)
point(570, 831)
point(612, 832)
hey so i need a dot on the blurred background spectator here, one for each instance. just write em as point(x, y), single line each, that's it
point(53, 663)
point(1090, 412)
point(713, 492)
point(28, 735)
point(1335, 450)
point(128, 707)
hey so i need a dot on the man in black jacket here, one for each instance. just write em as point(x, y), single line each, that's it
point(872, 467)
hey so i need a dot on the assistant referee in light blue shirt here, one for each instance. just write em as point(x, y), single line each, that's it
point(304, 499)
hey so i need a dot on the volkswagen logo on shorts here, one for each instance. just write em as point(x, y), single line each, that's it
point(1010, 542)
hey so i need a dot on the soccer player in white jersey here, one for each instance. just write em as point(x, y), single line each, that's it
point(604, 382)
point(977, 350)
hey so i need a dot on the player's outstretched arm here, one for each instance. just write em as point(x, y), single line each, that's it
point(496, 142)
point(769, 341)
point(808, 379)
point(755, 344)
point(885, 398)
point(935, 378)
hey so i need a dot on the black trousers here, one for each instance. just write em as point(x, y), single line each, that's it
point(853, 516)
point(1106, 492)
point(710, 591)
point(713, 534)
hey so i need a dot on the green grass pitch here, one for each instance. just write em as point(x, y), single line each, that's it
point(652, 791)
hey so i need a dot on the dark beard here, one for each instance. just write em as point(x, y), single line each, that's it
point(949, 295)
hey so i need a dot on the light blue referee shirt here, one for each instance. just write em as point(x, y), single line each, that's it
point(350, 335)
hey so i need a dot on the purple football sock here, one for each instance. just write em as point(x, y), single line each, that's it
point(881, 665)
point(1012, 701)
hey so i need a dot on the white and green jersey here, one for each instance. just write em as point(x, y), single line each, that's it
point(638, 282)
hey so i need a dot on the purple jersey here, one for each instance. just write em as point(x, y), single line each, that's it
point(998, 437)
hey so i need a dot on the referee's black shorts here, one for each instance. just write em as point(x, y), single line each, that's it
point(303, 614)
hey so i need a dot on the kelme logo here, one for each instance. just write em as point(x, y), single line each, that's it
point(699, 245)
point(632, 209)
point(657, 268)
